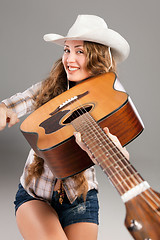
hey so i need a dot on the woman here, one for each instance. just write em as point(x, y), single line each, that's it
point(47, 208)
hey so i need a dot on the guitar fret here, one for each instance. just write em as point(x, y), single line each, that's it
point(118, 171)
point(101, 143)
point(107, 158)
point(114, 163)
point(119, 174)
point(127, 178)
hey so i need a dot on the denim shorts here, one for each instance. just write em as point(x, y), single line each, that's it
point(78, 211)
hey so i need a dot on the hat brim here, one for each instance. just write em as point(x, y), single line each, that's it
point(119, 46)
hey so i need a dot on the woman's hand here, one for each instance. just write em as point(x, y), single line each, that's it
point(7, 116)
point(112, 137)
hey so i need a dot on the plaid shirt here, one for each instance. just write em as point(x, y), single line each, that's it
point(22, 104)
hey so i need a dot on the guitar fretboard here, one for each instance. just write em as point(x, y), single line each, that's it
point(107, 155)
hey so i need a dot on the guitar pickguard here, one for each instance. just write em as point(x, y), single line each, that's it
point(51, 124)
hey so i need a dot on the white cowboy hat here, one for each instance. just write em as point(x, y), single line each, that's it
point(94, 29)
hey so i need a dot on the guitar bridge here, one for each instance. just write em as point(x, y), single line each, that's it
point(68, 101)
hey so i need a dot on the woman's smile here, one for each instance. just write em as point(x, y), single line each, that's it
point(71, 69)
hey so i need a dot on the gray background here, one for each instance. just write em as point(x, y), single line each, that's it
point(26, 59)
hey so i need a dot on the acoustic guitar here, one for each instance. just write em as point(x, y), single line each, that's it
point(87, 108)
point(49, 129)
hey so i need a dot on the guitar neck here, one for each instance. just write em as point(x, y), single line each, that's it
point(120, 172)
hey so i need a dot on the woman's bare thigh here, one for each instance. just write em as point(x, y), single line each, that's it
point(39, 221)
point(82, 231)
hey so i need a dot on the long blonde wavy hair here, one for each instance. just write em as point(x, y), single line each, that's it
point(98, 61)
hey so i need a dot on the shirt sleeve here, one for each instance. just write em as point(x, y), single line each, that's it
point(23, 103)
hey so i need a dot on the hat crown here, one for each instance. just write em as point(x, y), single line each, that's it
point(86, 23)
point(94, 29)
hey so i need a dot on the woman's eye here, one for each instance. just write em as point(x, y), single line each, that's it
point(66, 50)
point(80, 51)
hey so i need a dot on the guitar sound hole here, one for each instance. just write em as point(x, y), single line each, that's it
point(78, 112)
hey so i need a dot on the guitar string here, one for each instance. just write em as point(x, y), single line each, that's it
point(149, 202)
point(122, 186)
point(79, 114)
point(113, 179)
point(134, 172)
point(155, 195)
point(112, 148)
point(156, 209)
point(114, 162)
point(154, 200)
point(150, 190)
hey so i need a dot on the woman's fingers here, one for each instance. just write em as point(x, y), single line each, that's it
point(2, 120)
point(112, 137)
point(79, 141)
point(12, 118)
point(7, 116)
point(117, 143)
point(83, 146)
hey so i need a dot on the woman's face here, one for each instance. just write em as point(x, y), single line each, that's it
point(74, 60)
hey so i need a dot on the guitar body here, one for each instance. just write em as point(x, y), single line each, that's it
point(50, 134)
point(143, 216)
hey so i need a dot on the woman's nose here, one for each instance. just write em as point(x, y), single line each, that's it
point(71, 58)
